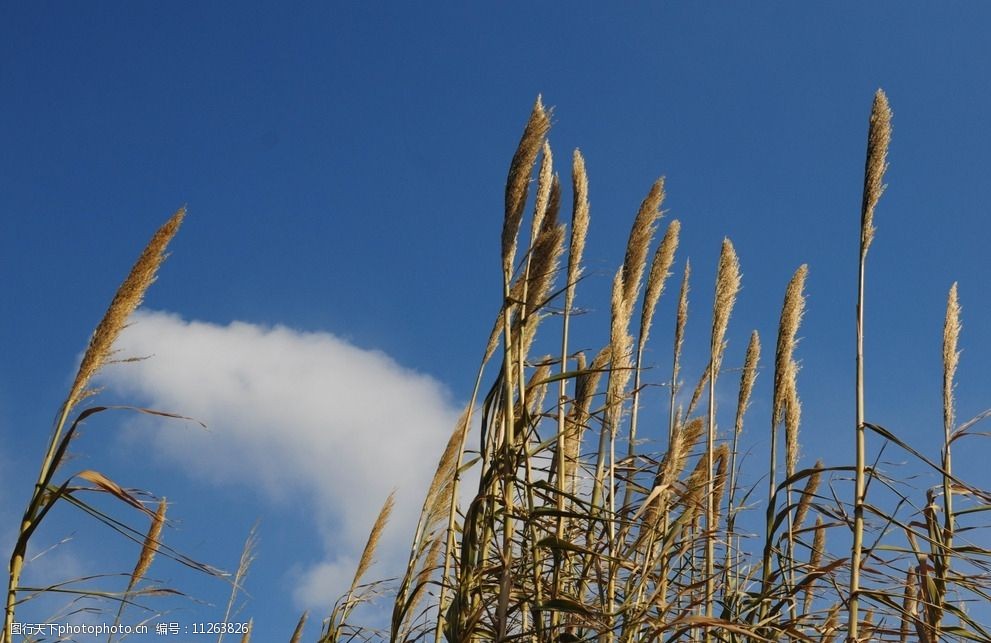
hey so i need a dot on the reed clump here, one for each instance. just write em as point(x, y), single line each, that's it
point(572, 539)
point(590, 524)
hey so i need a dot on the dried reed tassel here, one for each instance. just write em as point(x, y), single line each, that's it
point(951, 356)
point(297, 634)
point(793, 416)
point(808, 494)
point(747, 379)
point(681, 319)
point(517, 183)
point(722, 463)
point(368, 553)
point(815, 560)
point(125, 302)
point(544, 180)
point(878, 139)
point(147, 555)
point(579, 223)
point(727, 287)
point(638, 244)
point(660, 269)
point(791, 317)
point(700, 387)
point(149, 547)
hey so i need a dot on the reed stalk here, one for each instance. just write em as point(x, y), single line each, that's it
point(878, 139)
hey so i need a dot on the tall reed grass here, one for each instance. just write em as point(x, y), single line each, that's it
point(575, 532)
point(573, 535)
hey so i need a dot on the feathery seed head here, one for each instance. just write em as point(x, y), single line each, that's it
point(517, 183)
point(368, 554)
point(620, 343)
point(544, 180)
point(681, 320)
point(128, 297)
point(791, 318)
point(659, 271)
point(951, 356)
point(747, 380)
point(878, 139)
point(793, 416)
point(808, 494)
point(579, 224)
point(727, 287)
point(150, 546)
point(298, 632)
point(639, 243)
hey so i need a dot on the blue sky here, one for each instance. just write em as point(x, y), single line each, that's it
point(343, 166)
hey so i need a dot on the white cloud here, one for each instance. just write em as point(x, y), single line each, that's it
point(296, 414)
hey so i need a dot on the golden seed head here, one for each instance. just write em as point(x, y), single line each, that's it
point(128, 297)
point(878, 139)
point(791, 317)
point(544, 179)
point(150, 545)
point(747, 379)
point(518, 181)
point(951, 355)
point(619, 348)
point(368, 554)
point(579, 224)
point(639, 243)
point(659, 271)
point(699, 387)
point(815, 559)
point(681, 319)
point(298, 632)
point(808, 494)
point(793, 417)
point(544, 266)
point(727, 287)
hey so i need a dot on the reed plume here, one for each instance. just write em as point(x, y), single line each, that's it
point(125, 302)
point(791, 317)
point(793, 416)
point(659, 271)
point(149, 547)
point(815, 560)
point(368, 553)
point(638, 244)
point(579, 224)
point(951, 357)
point(808, 494)
point(545, 178)
point(727, 287)
point(878, 139)
point(297, 634)
point(747, 379)
point(518, 181)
